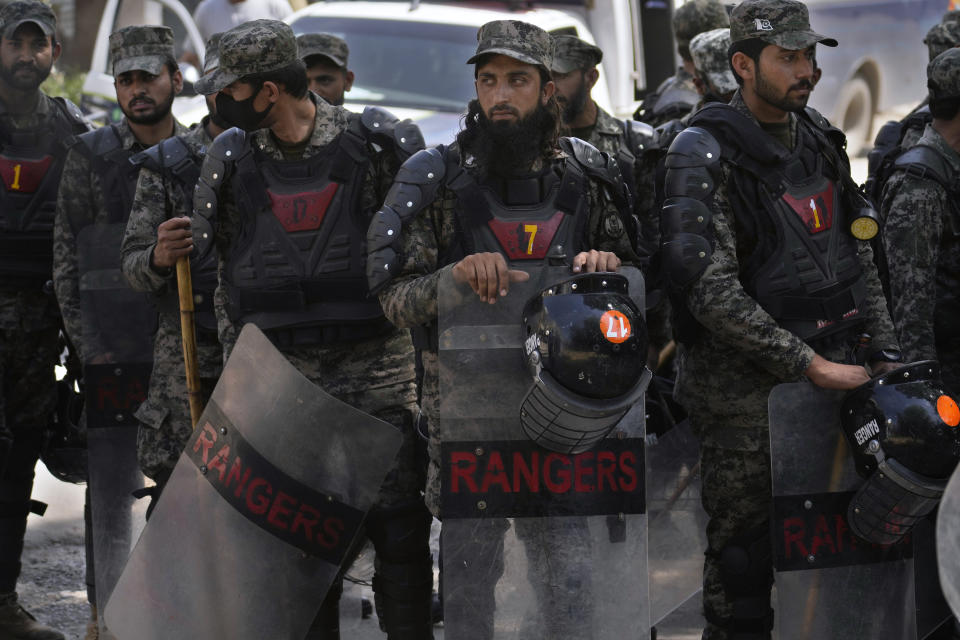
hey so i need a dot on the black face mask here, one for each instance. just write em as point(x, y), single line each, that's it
point(240, 113)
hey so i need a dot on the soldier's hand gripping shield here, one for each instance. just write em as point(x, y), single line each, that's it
point(542, 458)
point(830, 582)
point(118, 328)
point(261, 511)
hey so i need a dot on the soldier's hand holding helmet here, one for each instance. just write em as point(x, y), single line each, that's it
point(593, 260)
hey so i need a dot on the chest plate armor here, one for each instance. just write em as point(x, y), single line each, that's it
point(118, 175)
point(298, 267)
point(31, 162)
point(524, 219)
point(810, 281)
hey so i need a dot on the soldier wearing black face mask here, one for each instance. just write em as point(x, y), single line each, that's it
point(288, 196)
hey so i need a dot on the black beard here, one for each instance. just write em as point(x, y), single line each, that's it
point(574, 106)
point(158, 114)
point(507, 148)
point(24, 84)
point(782, 102)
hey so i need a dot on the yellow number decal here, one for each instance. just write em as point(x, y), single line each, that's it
point(816, 215)
point(16, 178)
point(527, 228)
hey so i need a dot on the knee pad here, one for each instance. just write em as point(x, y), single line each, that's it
point(401, 534)
point(746, 570)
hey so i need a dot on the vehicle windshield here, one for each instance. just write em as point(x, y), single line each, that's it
point(417, 65)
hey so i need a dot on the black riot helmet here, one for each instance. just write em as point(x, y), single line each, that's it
point(904, 431)
point(64, 450)
point(586, 347)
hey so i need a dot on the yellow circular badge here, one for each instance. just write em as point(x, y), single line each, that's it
point(864, 228)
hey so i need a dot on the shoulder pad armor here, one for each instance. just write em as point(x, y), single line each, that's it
point(386, 130)
point(692, 163)
point(224, 152)
point(924, 162)
point(414, 188)
point(100, 141)
point(585, 153)
point(835, 135)
point(666, 133)
point(640, 136)
point(602, 167)
point(693, 147)
point(167, 153)
point(73, 113)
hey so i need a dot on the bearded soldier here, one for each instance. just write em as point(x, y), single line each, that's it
point(102, 316)
point(157, 235)
point(325, 56)
point(99, 179)
point(768, 281)
point(676, 95)
point(922, 230)
point(292, 189)
point(35, 131)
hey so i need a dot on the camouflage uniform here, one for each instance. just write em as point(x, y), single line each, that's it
point(165, 423)
point(29, 317)
point(736, 335)
point(410, 298)
point(922, 239)
point(676, 95)
point(375, 375)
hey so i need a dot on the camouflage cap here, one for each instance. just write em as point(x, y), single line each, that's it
point(941, 37)
point(519, 40)
point(697, 16)
point(943, 75)
point(141, 48)
point(211, 55)
point(950, 16)
point(785, 23)
point(16, 13)
point(326, 45)
point(257, 46)
point(571, 53)
point(709, 52)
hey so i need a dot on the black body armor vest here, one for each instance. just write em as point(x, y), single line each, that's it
point(297, 269)
point(794, 208)
point(31, 162)
point(529, 218)
point(118, 175)
point(174, 159)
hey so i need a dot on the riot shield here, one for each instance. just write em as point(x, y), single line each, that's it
point(118, 329)
point(536, 543)
point(260, 512)
point(948, 542)
point(829, 584)
point(676, 519)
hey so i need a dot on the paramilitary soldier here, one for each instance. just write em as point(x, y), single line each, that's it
point(895, 137)
point(574, 72)
point(294, 188)
point(676, 95)
point(922, 230)
point(508, 158)
point(35, 131)
point(325, 56)
point(93, 204)
point(157, 235)
point(769, 283)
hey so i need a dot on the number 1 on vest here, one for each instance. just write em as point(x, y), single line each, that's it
point(15, 185)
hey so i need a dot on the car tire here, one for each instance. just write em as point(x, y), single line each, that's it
point(855, 114)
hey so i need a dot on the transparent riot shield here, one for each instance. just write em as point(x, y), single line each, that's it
point(829, 584)
point(536, 544)
point(261, 511)
point(948, 542)
point(676, 520)
point(118, 328)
